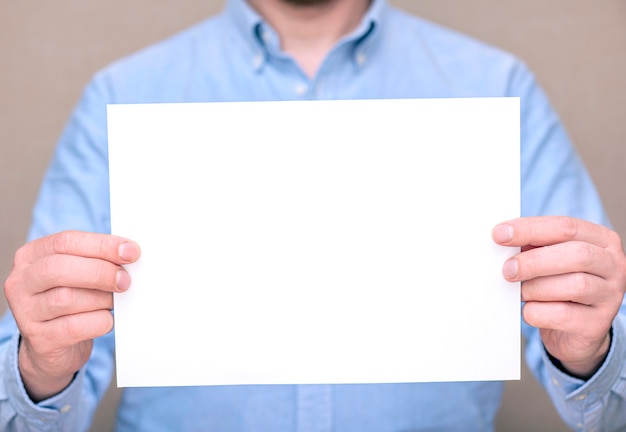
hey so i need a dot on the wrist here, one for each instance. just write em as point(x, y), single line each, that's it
point(585, 368)
point(38, 383)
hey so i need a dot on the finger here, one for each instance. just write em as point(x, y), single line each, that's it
point(558, 259)
point(550, 230)
point(580, 288)
point(68, 330)
point(567, 317)
point(62, 301)
point(111, 248)
point(74, 272)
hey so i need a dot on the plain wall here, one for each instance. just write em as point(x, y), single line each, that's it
point(49, 50)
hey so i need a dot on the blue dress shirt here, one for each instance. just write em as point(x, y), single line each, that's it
point(236, 56)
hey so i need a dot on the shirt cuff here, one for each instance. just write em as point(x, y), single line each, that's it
point(46, 413)
point(582, 400)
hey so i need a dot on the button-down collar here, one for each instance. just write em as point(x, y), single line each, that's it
point(263, 40)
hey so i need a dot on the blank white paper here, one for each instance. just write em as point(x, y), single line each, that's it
point(316, 241)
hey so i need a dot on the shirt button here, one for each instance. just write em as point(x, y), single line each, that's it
point(257, 61)
point(265, 35)
point(65, 409)
point(581, 397)
point(360, 58)
point(301, 89)
point(555, 382)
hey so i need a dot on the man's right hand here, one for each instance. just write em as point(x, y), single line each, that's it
point(60, 292)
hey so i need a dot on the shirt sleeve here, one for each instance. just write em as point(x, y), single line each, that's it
point(70, 410)
point(17, 412)
point(555, 182)
point(596, 404)
point(74, 195)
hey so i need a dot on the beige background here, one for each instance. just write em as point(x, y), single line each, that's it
point(48, 51)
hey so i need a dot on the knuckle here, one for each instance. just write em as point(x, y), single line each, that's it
point(51, 268)
point(61, 297)
point(615, 239)
point(71, 328)
point(11, 286)
point(569, 227)
point(15, 291)
point(21, 256)
point(585, 290)
point(102, 246)
point(583, 284)
point(584, 255)
point(561, 313)
point(529, 267)
point(102, 276)
point(61, 242)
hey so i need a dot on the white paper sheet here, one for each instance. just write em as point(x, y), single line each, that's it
point(316, 242)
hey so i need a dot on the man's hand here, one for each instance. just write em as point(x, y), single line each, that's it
point(60, 292)
point(573, 276)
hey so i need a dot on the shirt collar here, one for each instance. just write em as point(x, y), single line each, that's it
point(255, 30)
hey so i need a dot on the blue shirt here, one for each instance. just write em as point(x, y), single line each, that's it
point(236, 56)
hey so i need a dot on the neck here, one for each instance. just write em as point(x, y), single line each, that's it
point(309, 31)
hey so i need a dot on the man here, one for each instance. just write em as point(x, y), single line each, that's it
point(56, 354)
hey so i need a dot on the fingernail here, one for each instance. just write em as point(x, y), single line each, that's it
point(122, 279)
point(509, 270)
point(128, 251)
point(503, 233)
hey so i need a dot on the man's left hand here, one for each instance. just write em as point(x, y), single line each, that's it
point(573, 276)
